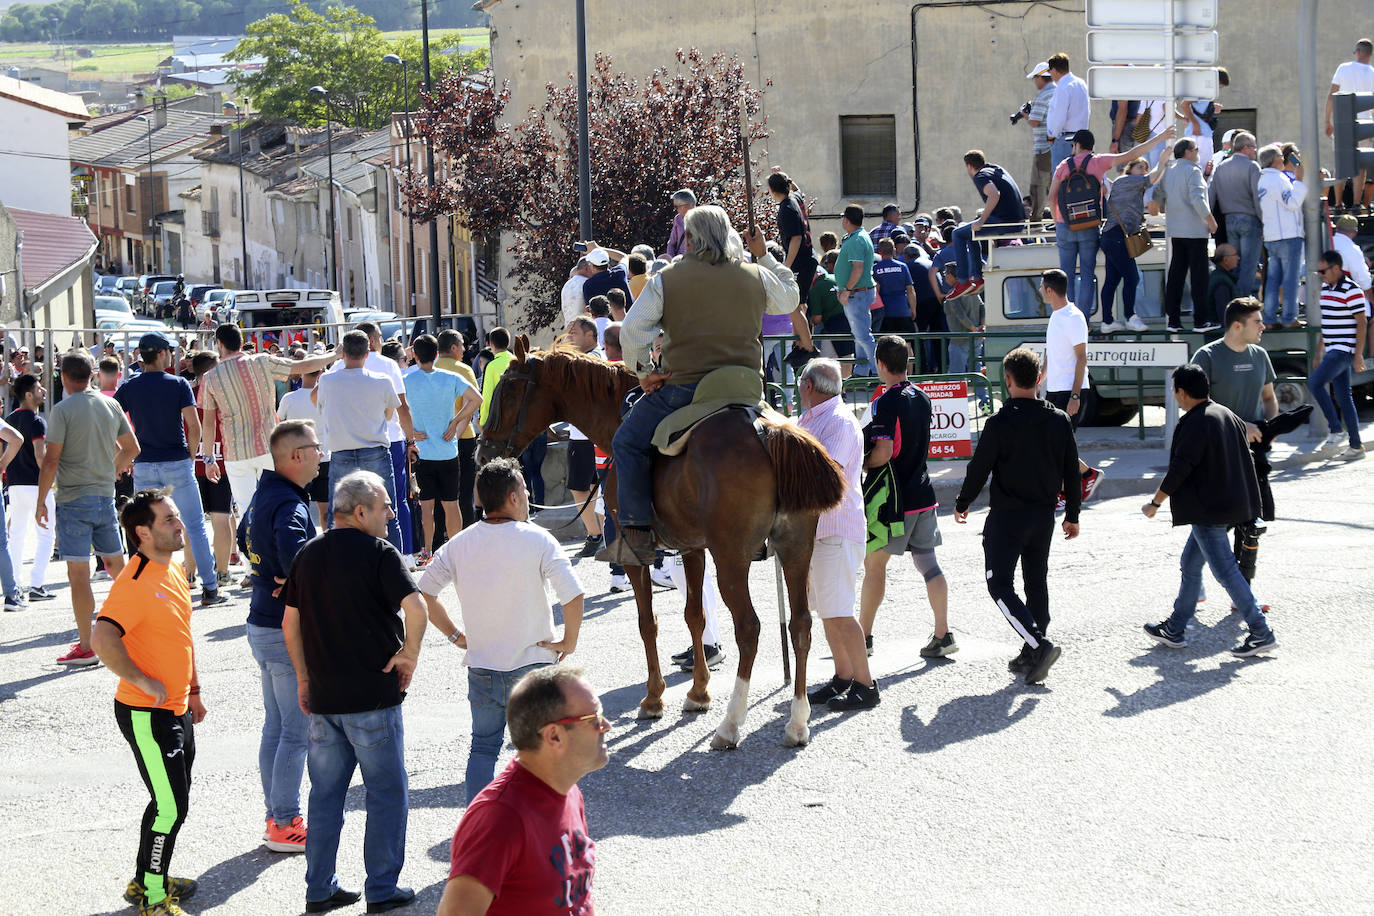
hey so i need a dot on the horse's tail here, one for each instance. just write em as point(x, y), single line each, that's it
point(808, 479)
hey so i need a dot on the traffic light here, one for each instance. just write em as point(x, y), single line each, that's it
point(1348, 130)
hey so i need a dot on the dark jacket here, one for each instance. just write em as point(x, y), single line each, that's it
point(1029, 449)
point(274, 528)
point(1211, 478)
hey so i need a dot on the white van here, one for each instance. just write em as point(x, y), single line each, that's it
point(295, 308)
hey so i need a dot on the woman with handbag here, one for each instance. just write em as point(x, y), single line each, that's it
point(1124, 238)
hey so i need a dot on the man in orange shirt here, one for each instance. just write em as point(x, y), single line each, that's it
point(143, 634)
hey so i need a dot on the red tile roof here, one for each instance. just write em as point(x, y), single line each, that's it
point(52, 244)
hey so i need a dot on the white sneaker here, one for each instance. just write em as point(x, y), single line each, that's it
point(1111, 327)
point(1135, 323)
point(1350, 454)
point(620, 583)
point(1332, 440)
point(661, 577)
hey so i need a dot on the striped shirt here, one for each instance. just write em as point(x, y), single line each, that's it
point(241, 389)
point(1342, 309)
point(832, 423)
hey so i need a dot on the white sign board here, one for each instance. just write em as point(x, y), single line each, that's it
point(1128, 354)
point(1151, 14)
point(1132, 46)
point(951, 431)
point(1152, 83)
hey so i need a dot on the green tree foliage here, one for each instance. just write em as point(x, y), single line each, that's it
point(340, 49)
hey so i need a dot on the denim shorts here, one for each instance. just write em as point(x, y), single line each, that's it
point(86, 522)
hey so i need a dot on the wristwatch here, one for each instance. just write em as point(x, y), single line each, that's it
point(1073, 397)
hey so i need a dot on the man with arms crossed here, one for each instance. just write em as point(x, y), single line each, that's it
point(522, 847)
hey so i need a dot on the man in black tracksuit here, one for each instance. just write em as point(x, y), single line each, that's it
point(1028, 448)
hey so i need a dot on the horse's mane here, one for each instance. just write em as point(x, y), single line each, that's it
point(580, 376)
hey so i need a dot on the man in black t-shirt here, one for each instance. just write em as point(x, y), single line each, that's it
point(21, 479)
point(899, 443)
point(354, 658)
point(1003, 213)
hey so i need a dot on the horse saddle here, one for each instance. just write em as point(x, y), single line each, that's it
point(727, 388)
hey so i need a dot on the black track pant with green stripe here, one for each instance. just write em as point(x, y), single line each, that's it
point(164, 747)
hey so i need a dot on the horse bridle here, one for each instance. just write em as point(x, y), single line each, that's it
point(512, 374)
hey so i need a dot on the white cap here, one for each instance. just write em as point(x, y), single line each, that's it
point(1040, 69)
point(1229, 136)
point(598, 257)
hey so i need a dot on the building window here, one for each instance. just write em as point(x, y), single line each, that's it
point(234, 204)
point(348, 220)
point(1246, 119)
point(868, 155)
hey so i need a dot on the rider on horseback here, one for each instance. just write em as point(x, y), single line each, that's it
point(709, 306)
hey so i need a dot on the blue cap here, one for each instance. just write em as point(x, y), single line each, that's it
point(155, 340)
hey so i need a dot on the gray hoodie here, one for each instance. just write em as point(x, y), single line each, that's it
point(1182, 195)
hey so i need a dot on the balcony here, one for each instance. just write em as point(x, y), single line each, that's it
point(209, 223)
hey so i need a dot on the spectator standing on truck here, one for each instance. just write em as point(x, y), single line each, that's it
point(1068, 110)
point(1281, 200)
point(1234, 192)
point(1041, 167)
point(1189, 223)
point(1066, 363)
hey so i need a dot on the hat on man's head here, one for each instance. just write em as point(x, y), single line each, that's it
point(1348, 222)
point(154, 341)
point(598, 257)
point(921, 221)
point(1040, 69)
point(1229, 136)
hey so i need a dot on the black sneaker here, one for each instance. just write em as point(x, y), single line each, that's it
point(39, 593)
point(715, 657)
point(868, 644)
point(1256, 645)
point(858, 697)
point(211, 598)
point(940, 646)
point(1161, 634)
point(1022, 661)
point(683, 656)
point(339, 898)
point(1041, 660)
point(590, 546)
point(402, 896)
point(830, 690)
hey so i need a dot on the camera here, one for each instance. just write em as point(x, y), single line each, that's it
point(1021, 112)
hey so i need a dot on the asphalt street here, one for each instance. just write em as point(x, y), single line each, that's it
point(1136, 778)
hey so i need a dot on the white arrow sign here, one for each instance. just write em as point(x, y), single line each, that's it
point(1151, 14)
point(1152, 83)
point(1132, 46)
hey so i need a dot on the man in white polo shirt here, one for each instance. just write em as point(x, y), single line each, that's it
point(499, 568)
point(1066, 361)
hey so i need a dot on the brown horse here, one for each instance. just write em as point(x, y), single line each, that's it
point(725, 493)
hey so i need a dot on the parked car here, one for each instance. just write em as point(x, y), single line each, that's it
point(105, 284)
point(143, 301)
point(127, 287)
point(115, 308)
point(222, 302)
point(160, 298)
point(197, 293)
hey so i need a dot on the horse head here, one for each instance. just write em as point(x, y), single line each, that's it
point(520, 408)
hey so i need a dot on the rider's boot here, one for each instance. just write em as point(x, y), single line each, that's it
point(632, 547)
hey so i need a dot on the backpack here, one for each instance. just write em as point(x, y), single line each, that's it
point(1080, 198)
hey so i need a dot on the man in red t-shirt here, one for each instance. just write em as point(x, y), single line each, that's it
point(522, 845)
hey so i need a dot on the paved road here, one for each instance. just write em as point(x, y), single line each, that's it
point(1186, 779)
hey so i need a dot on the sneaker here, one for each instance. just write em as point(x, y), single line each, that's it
point(339, 898)
point(1137, 324)
point(78, 657)
point(1022, 661)
point(1264, 609)
point(974, 288)
point(1060, 503)
point(100, 575)
point(1160, 633)
point(661, 577)
point(422, 559)
point(400, 897)
point(234, 559)
point(1351, 454)
point(868, 644)
point(830, 690)
point(682, 656)
point(1173, 328)
point(287, 838)
point(960, 289)
point(168, 907)
point(620, 583)
point(940, 646)
point(590, 546)
point(224, 578)
point(1255, 645)
point(246, 582)
point(1111, 327)
point(1209, 326)
point(180, 888)
point(715, 657)
point(210, 598)
point(39, 593)
point(1041, 660)
point(14, 603)
point(1332, 441)
point(1090, 482)
point(858, 697)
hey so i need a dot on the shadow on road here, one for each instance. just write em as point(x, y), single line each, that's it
point(224, 634)
point(450, 796)
point(966, 718)
point(62, 637)
point(12, 690)
point(226, 879)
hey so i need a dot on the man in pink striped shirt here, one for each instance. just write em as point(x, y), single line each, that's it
point(840, 537)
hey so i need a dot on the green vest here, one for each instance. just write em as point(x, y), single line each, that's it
point(712, 318)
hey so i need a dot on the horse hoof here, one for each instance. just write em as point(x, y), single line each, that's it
point(651, 710)
point(691, 705)
point(795, 737)
point(719, 743)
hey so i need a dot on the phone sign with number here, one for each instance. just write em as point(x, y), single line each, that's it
point(950, 427)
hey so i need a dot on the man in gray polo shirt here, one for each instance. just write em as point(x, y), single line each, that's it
point(1234, 191)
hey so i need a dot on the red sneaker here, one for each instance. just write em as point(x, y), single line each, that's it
point(974, 287)
point(290, 838)
point(1090, 482)
point(960, 289)
point(78, 657)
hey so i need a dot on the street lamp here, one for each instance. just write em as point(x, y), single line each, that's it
point(152, 201)
point(329, 154)
point(584, 158)
point(243, 199)
point(410, 216)
point(429, 173)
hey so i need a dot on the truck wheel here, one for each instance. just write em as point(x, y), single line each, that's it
point(1112, 412)
point(1289, 388)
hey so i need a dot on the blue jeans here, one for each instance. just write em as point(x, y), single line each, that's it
point(375, 742)
point(861, 326)
point(1078, 248)
point(7, 580)
point(1060, 149)
point(1285, 267)
point(488, 692)
point(1209, 543)
point(281, 753)
point(532, 466)
point(634, 451)
point(88, 522)
point(1121, 270)
point(402, 507)
point(180, 476)
point(376, 459)
point(1245, 233)
point(968, 256)
point(1334, 370)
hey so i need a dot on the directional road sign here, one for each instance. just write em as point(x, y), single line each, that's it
point(1151, 14)
point(1152, 83)
point(1135, 46)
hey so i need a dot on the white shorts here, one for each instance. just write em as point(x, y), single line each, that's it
point(834, 569)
